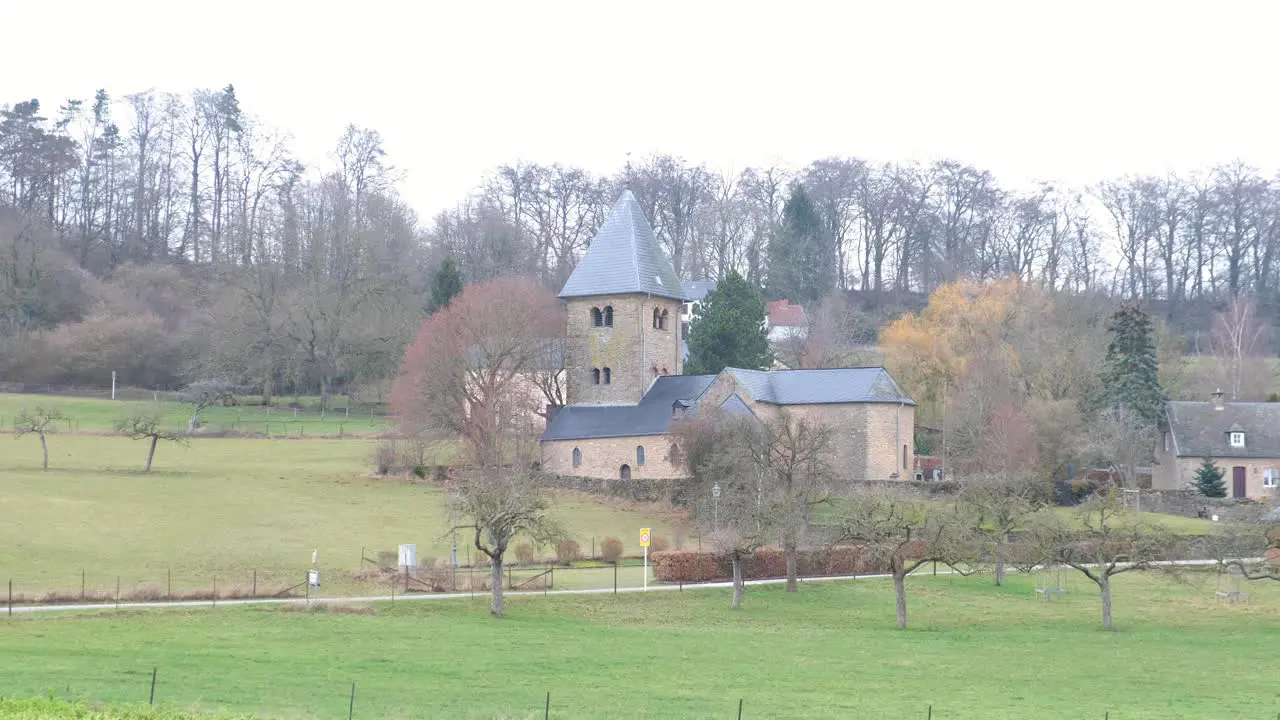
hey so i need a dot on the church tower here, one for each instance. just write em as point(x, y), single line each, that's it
point(624, 302)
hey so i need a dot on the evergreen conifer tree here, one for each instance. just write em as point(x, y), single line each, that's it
point(728, 330)
point(445, 284)
point(1130, 373)
point(1209, 479)
point(802, 257)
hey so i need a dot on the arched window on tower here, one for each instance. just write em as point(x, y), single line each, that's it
point(608, 316)
point(597, 318)
point(662, 321)
point(577, 457)
point(608, 376)
point(656, 318)
point(639, 455)
point(595, 376)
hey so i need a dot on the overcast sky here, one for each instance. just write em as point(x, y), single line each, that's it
point(1067, 91)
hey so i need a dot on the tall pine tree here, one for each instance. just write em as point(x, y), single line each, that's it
point(802, 257)
point(445, 284)
point(728, 330)
point(1130, 374)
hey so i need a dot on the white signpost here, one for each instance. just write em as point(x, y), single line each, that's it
point(408, 555)
point(644, 543)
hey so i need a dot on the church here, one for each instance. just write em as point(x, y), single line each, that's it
point(625, 387)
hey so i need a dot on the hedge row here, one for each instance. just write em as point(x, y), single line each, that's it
point(703, 566)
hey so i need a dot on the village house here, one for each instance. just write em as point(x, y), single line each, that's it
point(625, 387)
point(1243, 438)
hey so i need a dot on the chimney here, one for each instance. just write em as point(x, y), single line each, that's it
point(1217, 399)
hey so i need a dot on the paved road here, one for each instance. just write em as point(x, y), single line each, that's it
point(19, 609)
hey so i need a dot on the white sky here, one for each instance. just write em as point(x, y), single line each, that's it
point(1067, 91)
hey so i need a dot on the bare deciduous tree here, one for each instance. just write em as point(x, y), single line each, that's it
point(203, 394)
point(905, 532)
point(147, 426)
point(1102, 539)
point(500, 503)
point(38, 421)
point(1001, 504)
point(1238, 337)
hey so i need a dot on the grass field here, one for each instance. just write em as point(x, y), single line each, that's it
point(97, 415)
point(229, 507)
point(973, 651)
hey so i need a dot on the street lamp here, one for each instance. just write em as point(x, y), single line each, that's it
point(715, 505)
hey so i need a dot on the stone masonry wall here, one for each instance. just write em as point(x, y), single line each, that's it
point(1180, 473)
point(630, 348)
point(604, 457)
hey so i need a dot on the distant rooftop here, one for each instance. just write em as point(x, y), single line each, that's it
point(696, 290)
point(783, 314)
point(814, 387)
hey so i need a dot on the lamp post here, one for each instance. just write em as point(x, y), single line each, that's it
point(715, 506)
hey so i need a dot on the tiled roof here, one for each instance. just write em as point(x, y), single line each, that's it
point(1199, 430)
point(835, 385)
point(652, 416)
point(624, 257)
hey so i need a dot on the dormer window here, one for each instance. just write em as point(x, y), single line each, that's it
point(1237, 439)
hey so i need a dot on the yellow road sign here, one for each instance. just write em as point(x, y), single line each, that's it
point(644, 537)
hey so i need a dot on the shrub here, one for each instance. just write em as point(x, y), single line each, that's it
point(384, 457)
point(610, 549)
point(768, 562)
point(568, 551)
point(659, 543)
point(686, 566)
point(524, 554)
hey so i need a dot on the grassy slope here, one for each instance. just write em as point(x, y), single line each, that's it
point(92, 414)
point(228, 506)
point(974, 651)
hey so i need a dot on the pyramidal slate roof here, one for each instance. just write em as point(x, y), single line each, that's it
point(624, 257)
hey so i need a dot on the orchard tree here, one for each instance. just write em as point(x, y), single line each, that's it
point(904, 532)
point(203, 394)
point(728, 329)
point(471, 370)
point(1102, 540)
point(1209, 479)
point(147, 426)
point(499, 503)
point(39, 422)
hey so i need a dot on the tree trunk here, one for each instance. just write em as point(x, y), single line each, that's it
point(1001, 542)
point(151, 452)
point(44, 448)
point(737, 581)
point(495, 581)
point(900, 590)
point(1104, 586)
point(789, 554)
point(195, 419)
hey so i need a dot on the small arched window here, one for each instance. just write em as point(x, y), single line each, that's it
point(624, 472)
point(595, 375)
point(656, 318)
point(608, 376)
point(608, 316)
point(597, 318)
point(665, 371)
point(639, 455)
point(675, 456)
point(662, 321)
point(577, 457)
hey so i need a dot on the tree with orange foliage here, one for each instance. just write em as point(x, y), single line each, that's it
point(473, 369)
